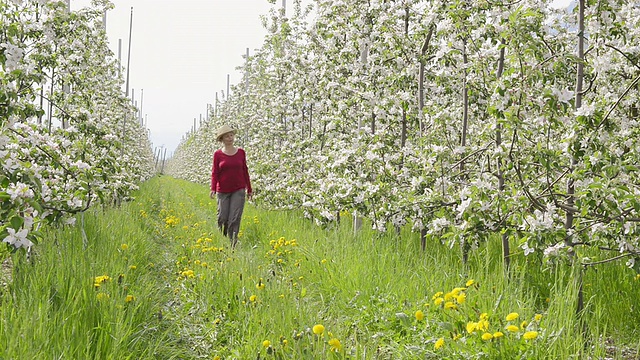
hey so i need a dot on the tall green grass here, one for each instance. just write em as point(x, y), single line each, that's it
point(375, 295)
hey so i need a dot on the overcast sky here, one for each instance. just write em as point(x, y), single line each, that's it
point(182, 52)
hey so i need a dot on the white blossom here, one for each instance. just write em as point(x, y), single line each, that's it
point(18, 239)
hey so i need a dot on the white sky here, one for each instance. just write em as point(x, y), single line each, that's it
point(182, 52)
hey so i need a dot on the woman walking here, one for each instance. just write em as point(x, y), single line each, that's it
point(230, 181)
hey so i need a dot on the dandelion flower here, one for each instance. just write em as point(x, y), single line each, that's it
point(253, 298)
point(124, 246)
point(318, 329)
point(102, 296)
point(471, 327)
point(335, 345)
point(498, 334)
point(512, 328)
point(419, 315)
point(457, 291)
point(470, 282)
point(483, 325)
point(100, 279)
point(437, 295)
point(487, 336)
point(530, 335)
point(460, 299)
point(266, 343)
point(129, 298)
point(524, 324)
point(512, 316)
point(538, 317)
point(439, 343)
point(450, 305)
point(438, 301)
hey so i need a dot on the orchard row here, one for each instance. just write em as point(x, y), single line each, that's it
point(68, 134)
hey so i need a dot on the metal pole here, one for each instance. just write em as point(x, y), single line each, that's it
point(141, 98)
point(119, 56)
point(163, 157)
point(215, 106)
point(129, 53)
point(246, 93)
point(124, 118)
point(227, 86)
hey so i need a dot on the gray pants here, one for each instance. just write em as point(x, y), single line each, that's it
point(230, 207)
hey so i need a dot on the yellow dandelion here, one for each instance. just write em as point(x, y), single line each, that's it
point(530, 335)
point(460, 299)
point(524, 324)
point(335, 345)
point(438, 301)
point(100, 279)
point(132, 267)
point(439, 343)
point(483, 325)
point(457, 291)
point(437, 295)
point(129, 298)
point(450, 305)
point(538, 317)
point(512, 328)
point(324, 261)
point(266, 343)
point(471, 327)
point(487, 336)
point(456, 337)
point(253, 298)
point(217, 357)
point(512, 316)
point(102, 296)
point(124, 246)
point(318, 329)
point(419, 315)
point(470, 282)
point(484, 316)
point(498, 334)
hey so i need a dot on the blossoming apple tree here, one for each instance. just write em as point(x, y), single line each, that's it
point(58, 160)
point(463, 119)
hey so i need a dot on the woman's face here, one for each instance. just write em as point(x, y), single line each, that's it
point(228, 138)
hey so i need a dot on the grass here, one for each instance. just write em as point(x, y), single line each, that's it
point(377, 296)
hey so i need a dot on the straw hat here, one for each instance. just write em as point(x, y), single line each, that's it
point(224, 130)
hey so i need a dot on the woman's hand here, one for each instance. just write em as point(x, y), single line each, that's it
point(212, 194)
point(249, 196)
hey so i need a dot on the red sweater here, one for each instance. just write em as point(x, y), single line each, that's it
point(229, 172)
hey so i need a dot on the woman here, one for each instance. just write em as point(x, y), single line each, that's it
point(230, 181)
